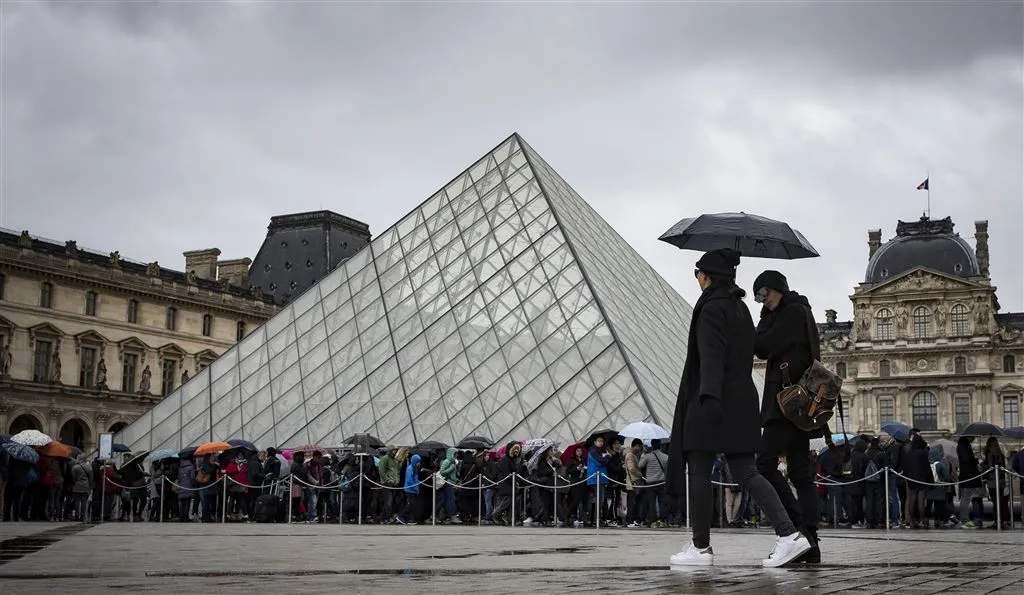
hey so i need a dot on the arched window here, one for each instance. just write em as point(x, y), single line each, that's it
point(884, 369)
point(959, 318)
point(925, 413)
point(922, 323)
point(960, 365)
point(207, 325)
point(883, 325)
point(841, 369)
point(1009, 364)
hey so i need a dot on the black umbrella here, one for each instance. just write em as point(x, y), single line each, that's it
point(981, 428)
point(118, 447)
point(754, 236)
point(1017, 432)
point(239, 443)
point(608, 434)
point(475, 443)
point(431, 445)
point(187, 453)
point(366, 441)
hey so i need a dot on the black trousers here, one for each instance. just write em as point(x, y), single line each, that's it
point(874, 503)
point(781, 437)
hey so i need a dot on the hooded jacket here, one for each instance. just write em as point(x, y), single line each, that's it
point(389, 468)
point(412, 477)
point(449, 466)
point(969, 470)
point(186, 480)
point(915, 464)
point(507, 466)
point(783, 335)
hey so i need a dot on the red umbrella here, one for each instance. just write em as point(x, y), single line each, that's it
point(571, 450)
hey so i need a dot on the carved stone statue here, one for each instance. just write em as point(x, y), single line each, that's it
point(5, 359)
point(101, 374)
point(841, 343)
point(190, 277)
point(184, 377)
point(980, 314)
point(55, 367)
point(147, 378)
point(25, 241)
point(901, 318)
point(153, 269)
point(71, 248)
point(1008, 334)
point(115, 259)
point(940, 316)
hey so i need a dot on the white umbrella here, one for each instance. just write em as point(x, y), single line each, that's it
point(31, 438)
point(644, 431)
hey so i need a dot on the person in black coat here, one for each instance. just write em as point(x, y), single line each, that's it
point(717, 412)
point(919, 474)
point(787, 335)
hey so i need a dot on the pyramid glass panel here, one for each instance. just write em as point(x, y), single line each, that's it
point(503, 305)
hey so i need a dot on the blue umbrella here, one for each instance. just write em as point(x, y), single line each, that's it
point(20, 452)
point(159, 455)
point(897, 430)
point(239, 443)
point(118, 447)
point(1017, 432)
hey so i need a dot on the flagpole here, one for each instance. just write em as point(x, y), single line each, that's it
point(928, 191)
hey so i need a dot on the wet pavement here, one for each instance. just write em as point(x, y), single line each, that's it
point(235, 558)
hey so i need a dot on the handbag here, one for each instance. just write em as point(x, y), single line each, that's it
point(809, 403)
point(439, 480)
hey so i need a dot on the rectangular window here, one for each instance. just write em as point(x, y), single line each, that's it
point(1011, 412)
point(131, 369)
point(841, 369)
point(41, 366)
point(886, 411)
point(46, 295)
point(960, 365)
point(3, 284)
point(1009, 364)
point(240, 331)
point(90, 303)
point(133, 311)
point(170, 367)
point(172, 319)
point(207, 325)
point(963, 412)
point(884, 369)
point(87, 373)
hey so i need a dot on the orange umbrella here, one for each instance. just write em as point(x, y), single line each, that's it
point(57, 450)
point(212, 448)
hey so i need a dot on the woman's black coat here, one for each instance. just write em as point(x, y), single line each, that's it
point(717, 409)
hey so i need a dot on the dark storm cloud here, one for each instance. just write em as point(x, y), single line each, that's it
point(154, 128)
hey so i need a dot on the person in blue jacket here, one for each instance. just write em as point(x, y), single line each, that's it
point(597, 468)
point(410, 515)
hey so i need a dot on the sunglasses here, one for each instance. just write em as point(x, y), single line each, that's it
point(761, 295)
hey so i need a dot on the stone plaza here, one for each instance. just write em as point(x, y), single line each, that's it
point(171, 557)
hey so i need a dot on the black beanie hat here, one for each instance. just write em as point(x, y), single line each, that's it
point(720, 263)
point(771, 280)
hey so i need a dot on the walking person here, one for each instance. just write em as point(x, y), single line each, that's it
point(787, 337)
point(717, 412)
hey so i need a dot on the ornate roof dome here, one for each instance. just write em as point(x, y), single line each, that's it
point(924, 243)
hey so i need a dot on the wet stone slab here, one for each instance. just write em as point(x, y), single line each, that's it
point(234, 558)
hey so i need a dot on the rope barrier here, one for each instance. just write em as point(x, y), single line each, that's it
point(635, 486)
point(942, 484)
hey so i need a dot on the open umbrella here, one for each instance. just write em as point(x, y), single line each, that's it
point(187, 452)
point(431, 445)
point(243, 444)
point(981, 428)
point(948, 447)
point(644, 431)
point(20, 452)
point(76, 452)
point(537, 449)
point(754, 236)
point(363, 440)
point(608, 434)
point(136, 457)
point(118, 447)
point(308, 449)
point(55, 449)
point(211, 448)
point(31, 438)
point(897, 430)
point(159, 455)
point(571, 450)
point(1016, 433)
point(475, 443)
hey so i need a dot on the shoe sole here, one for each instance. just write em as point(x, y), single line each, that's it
point(792, 558)
point(672, 564)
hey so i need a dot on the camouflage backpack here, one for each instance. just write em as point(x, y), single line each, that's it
point(810, 403)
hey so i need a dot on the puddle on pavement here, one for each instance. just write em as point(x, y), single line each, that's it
point(533, 552)
point(19, 547)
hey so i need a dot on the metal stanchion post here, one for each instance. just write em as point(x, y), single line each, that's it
point(433, 502)
point(289, 499)
point(359, 457)
point(480, 500)
point(161, 488)
point(513, 523)
point(103, 494)
point(687, 479)
point(888, 510)
point(224, 506)
point(1009, 484)
point(554, 498)
point(999, 504)
point(598, 504)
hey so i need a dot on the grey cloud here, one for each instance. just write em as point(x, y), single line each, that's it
point(188, 125)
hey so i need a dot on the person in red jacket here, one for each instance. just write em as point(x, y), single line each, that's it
point(237, 470)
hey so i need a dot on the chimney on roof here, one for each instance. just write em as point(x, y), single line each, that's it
point(874, 241)
point(981, 245)
point(202, 262)
point(236, 271)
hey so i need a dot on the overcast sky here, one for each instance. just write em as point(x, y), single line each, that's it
point(158, 129)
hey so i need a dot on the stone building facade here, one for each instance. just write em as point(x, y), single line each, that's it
point(927, 344)
point(89, 341)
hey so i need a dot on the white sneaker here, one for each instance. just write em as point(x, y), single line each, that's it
point(528, 522)
point(691, 556)
point(786, 550)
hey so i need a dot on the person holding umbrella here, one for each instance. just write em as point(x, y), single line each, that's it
point(717, 412)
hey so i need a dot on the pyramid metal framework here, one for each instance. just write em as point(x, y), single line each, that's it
point(502, 306)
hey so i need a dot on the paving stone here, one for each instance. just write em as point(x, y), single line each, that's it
point(236, 558)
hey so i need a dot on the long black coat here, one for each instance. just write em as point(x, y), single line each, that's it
point(782, 337)
point(717, 406)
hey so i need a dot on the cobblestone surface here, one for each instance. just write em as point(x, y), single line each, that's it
point(155, 558)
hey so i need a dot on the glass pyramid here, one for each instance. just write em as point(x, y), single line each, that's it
point(502, 306)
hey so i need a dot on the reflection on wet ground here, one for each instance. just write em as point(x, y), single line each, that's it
point(19, 547)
